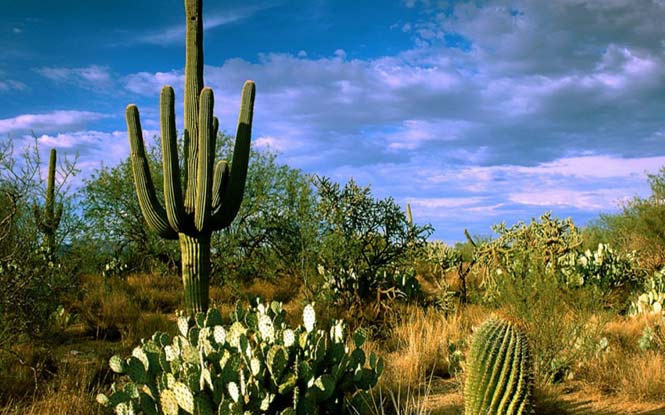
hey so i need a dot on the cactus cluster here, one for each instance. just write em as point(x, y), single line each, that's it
point(256, 365)
point(210, 195)
point(48, 217)
point(499, 378)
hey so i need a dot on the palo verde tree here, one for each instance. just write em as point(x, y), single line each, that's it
point(212, 192)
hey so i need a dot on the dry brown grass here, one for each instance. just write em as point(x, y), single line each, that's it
point(419, 346)
point(107, 309)
point(72, 392)
point(156, 292)
point(644, 377)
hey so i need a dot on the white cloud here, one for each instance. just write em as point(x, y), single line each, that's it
point(150, 84)
point(592, 200)
point(91, 77)
point(48, 122)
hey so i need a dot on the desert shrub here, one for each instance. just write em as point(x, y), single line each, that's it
point(34, 278)
point(32, 290)
point(114, 229)
point(275, 232)
point(256, 365)
point(640, 226)
point(524, 247)
point(366, 244)
point(562, 323)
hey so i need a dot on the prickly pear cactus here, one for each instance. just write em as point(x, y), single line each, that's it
point(499, 372)
point(256, 365)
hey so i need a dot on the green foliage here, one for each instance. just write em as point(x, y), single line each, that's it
point(499, 371)
point(257, 364)
point(366, 243)
point(523, 247)
point(275, 232)
point(564, 324)
point(640, 227)
point(603, 267)
point(114, 229)
point(33, 281)
point(32, 290)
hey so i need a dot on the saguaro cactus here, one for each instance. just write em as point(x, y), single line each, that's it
point(48, 217)
point(409, 216)
point(499, 372)
point(212, 192)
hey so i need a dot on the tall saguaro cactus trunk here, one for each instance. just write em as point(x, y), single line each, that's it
point(212, 192)
point(48, 220)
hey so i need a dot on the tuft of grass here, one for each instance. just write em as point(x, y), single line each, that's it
point(71, 392)
point(644, 377)
point(157, 293)
point(421, 347)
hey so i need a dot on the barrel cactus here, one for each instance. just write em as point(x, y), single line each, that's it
point(48, 217)
point(212, 192)
point(255, 365)
point(499, 373)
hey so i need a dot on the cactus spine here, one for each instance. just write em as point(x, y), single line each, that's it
point(48, 220)
point(212, 192)
point(499, 379)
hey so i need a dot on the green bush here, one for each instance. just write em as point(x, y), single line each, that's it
point(256, 365)
point(32, 289)
point(367, 244)
point(639, 227)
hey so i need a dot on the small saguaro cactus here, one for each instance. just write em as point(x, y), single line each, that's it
point(48, 217)
point(212, 192)
point(409, 216)
point(499, 374)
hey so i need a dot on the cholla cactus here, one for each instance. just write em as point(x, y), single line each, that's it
point(499, 372)
point(212, 192)
point(256, 365)
point(48, 217)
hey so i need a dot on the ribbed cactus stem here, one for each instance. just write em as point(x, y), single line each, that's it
point(409, 216)
point(213, 191)
point(48, 220)
point(193, 87)
point(499, 372)
point(195, 257)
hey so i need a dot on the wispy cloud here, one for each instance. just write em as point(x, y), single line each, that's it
point(176, 33)
point(12, 85)
point(90, 77)
point(48, 122)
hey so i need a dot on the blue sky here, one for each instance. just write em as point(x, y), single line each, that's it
point(473, 112)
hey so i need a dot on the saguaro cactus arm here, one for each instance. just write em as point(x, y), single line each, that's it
point(232, 197)
point(204, 179)
point(153, 212)
point(220, 182)
point(175, 208)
